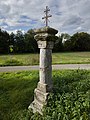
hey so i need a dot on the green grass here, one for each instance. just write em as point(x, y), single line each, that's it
point(57, 58)
point(16, 92)
point(70, 99)
point(71, 58)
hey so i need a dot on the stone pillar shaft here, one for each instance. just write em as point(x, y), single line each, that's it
point(45, 66)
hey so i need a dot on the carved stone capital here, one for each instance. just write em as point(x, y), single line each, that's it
point(45, 44)
point(45, 37)
point(46, 29)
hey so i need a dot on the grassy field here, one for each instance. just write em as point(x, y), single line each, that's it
point(70, 99)
point(57, 58)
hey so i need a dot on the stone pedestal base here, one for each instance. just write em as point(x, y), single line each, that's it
point(40, 97)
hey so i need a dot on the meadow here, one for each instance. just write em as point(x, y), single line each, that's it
point(70, 99)
point(57, 58)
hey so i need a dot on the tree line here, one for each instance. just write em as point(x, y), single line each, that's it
point(18, 43)
point(25, 43)
point(76, 42)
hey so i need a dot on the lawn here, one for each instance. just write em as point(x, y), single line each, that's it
point(57, 58)
point(70, 99)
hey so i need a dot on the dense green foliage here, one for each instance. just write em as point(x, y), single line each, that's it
point(78, 42)
point(60, 44)
point(25, 43)
point(30, 42)
point(58, 47)
point(19, 42)
point(70, 99)
point(4, 41)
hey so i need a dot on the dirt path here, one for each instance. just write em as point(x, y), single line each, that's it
point(54, 67)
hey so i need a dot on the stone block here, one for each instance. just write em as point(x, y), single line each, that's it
point(40, 99)
point(44, 87)
point(45, 44)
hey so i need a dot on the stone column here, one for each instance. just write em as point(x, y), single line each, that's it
point(45, 38)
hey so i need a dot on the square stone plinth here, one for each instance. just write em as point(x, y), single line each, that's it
point(40, 99)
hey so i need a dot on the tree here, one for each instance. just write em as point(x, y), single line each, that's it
point(4, 42)
point(30, 42)
point(19, 44)
point(12, 39)
point(65, 37)
point(67, 45)
point(80, 42)
point(58, 45)
point(12, 42)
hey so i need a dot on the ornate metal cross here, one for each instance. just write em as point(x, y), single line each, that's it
point(46, 15)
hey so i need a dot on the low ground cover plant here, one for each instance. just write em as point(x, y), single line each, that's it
point(70, 99)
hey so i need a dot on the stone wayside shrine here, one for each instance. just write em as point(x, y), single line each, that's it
point(45, 38)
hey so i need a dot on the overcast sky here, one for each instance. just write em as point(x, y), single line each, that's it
point(68, 16)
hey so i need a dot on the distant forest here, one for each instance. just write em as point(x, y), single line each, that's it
point(25, 43)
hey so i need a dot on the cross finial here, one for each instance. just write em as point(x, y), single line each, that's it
point(46, 15)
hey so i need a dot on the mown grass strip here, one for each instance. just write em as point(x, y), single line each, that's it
point(57, 58)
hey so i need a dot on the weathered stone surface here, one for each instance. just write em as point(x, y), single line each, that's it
point(36, 106)
point(40, 99)
point(46, 29)
point(45, 38)
point(45, 34)
point(45, 44)
point(44, 87)
point(45, 66)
